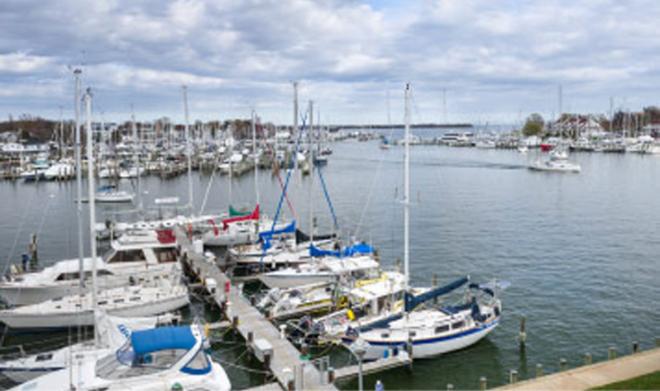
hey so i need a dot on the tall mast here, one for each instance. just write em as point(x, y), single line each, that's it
point(188, 148)
point(77, 152)
point(406, 191)
point(92, 204)
point(136, 157)
point(256, 160)
point(311, 176)
point(295, 121)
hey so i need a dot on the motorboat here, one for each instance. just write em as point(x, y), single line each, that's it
point(150, 298)
point(132, 258)
point(112, 334)
point(277, 303)
point(558, 162)
point(61, 169)
point(110, 194)
point(164, 358)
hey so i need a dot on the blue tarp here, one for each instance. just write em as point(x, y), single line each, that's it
point(359, 248)
point(414, 301)
point(162, 338)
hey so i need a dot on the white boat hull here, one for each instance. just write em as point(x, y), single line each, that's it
point(46, 320)
point(426, 348)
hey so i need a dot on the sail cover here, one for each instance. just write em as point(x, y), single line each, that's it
point(356, 249)
point(266, 235)
point(302, 237)
point(237, 212)
point(114, 331)
point(413, 301)
point(252, 216)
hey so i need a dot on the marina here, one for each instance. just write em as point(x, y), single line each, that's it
point(353, 195)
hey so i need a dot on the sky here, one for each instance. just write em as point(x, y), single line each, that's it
point(492, 61)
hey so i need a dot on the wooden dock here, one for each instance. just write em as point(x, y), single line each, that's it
point(286, 363)
point(374, 366)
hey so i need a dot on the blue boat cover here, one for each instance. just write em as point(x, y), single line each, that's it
point(291, 228)
point(105, 188)
point(162, 338)
point(359, 248)
point(414, 301)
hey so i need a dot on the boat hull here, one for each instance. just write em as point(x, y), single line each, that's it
point(274, 280)
point(431, 347)
point(86, 318)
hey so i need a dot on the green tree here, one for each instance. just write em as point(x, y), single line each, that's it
point(533, 125)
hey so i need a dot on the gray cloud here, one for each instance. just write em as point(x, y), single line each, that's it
point(494, 59)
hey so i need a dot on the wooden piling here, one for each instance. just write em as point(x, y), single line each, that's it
point(539, 370)
point(513, 376)
point(562, 364)
point(483, 383)
point(611, 353)
point(587, 359)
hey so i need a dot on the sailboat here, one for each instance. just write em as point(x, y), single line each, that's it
point(430, 331)
point(165, 358)
point(113, 332)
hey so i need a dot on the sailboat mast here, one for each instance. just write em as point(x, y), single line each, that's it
point(406, 191)
point(136, 157)
point(77, 152)
point(188, 147)
point(311, 176)
point(295, 122)
point(256, 160)
point(92, 205)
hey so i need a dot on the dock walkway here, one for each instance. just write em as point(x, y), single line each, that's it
point(595, 375)
point(285, 362)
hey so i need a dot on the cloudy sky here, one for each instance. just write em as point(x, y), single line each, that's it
point(496, 61)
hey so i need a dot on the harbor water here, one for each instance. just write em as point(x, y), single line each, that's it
point(582, 251)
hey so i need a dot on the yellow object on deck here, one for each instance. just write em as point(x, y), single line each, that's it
point(350, 314)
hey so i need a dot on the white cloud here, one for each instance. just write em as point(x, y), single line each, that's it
point(21, 62)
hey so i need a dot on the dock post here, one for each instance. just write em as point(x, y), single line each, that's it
point(34, 258)
point(562, 364)
point(587, 359)
point(283, 331)
point(635, 347)
point(657, 342)
point(250, 338)
point(522, 335)
point(513, 376)
point(483, 383)
point(331, 375)
point(409, 350)
point(434, 284)
point(611, 353)
point(234, 321)
point(450, 387)
point(539, 370)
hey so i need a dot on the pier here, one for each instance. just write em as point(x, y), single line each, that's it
point(285, 362)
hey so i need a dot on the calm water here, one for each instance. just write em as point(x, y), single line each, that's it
point(581, 251)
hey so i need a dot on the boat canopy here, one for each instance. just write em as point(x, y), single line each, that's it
point(302, 237)
point(162, 338)
point(106, 188)
point(358, 248)
point(413, 301)
point(252, 216)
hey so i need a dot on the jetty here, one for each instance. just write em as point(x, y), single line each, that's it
point(285, 361)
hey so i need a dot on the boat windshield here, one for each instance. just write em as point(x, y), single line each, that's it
point(125, 363)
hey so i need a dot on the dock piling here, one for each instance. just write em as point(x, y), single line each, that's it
point(587, 359)
point(539, 370)
point(483, 383)
point(450, 387)
point(562, 364)
point(513, 376)
point(635, 347)
point(522, 335)
point(611, 353)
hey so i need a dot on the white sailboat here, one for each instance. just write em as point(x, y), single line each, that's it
point(113, 332)
point(430, 331)
point(165, 358)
